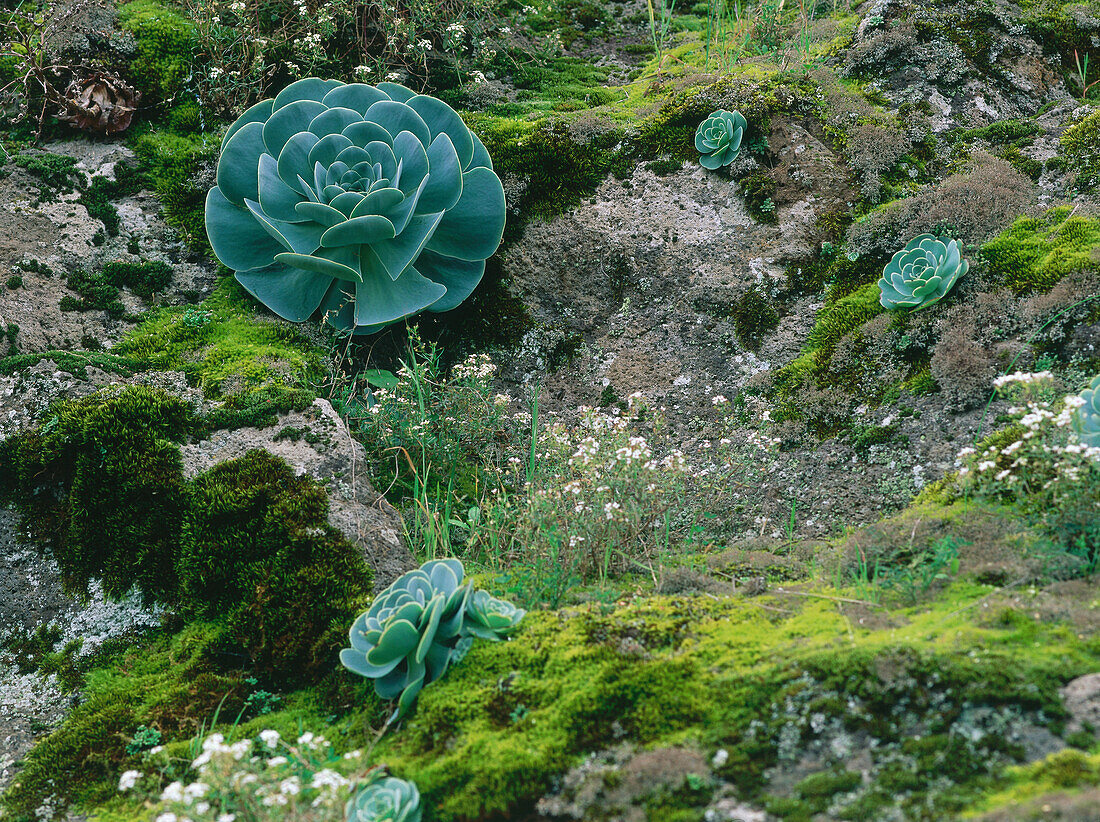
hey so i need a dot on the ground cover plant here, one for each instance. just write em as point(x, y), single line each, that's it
point(766, 489)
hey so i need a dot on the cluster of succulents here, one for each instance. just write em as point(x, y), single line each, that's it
point(922, 273)
point(369, 203)
point(419, 626)
point(1086, 419)
point(718, 138)
point(385, 799)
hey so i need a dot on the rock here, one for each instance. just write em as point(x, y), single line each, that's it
point(60, 237)
point(316, 442)
point(30, 596)
point(1082, 701)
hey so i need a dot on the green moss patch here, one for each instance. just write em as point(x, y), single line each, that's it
point(100, 291)
point(1081, 143)
point(172, 162)
point(257, 551)
point(1035, 253)
point(222, 346)
point(166, 46)
point(101, 482)
point(120, 518)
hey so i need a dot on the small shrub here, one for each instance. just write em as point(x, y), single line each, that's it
point(970, 206)
point(1034, 465)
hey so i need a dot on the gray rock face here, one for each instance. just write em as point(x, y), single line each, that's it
point(915, 53)
point(316, 442)
point(30, 597)
point(1082, 701)
point(646, 275)
point(62, 236)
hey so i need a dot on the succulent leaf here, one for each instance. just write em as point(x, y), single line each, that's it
point(922, 273)
point(354, 183)
point(718, 138)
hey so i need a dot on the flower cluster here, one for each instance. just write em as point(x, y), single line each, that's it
point(597, 501)
point(1038, 464)
point(247, 780)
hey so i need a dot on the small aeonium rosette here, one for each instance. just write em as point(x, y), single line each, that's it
point(718, 138)
point(922, 273)
point(385, 800)
point(1086, 417)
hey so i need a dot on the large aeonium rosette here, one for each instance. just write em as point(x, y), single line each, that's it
point(370, 203)
point(922, 273)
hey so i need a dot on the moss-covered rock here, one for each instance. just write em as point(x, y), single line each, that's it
point(248, 543)
point(222, 345)
point(1035, 253)
point(1081, 143)
point(101, 482)
point(256, 551)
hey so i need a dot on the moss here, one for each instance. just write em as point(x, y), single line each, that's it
point(921, 384)
point(98, 196)
point(932, 698)
point(1066, 769)
point(1035, 253)
point(115, 453)
point(1022, 163)
point(78, 763)
point(56, 173)
point(170, 683)
point(100, 291)
point(222, 346)
point(814, 365)
point(257, 551)
point(1081, 144)
point(166, 46)
point(753, 316)
point(813, 795)
point(101, 482)
point(172, 163)
point(759, 188)
point(558, 167)
point(72, 362)
point(1013, 132)
point(257, 409)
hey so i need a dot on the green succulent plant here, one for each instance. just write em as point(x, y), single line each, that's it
point(387, 799)
point(718, 138)
point(1086, 419)
point(922, 273)
point(490, 618)
point(421, 625)
point(370, 203)
point(411, 633)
